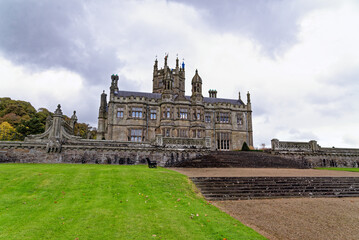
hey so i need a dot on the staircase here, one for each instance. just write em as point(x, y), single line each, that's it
point(241, 159)
point(240, 188)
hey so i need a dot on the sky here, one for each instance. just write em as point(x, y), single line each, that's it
point(298, 59)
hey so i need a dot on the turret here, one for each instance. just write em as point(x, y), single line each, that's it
point(196, 87)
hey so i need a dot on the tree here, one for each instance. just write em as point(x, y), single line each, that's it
point(7, 132)
point(30, 127)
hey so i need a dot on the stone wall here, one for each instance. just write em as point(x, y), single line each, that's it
point(102, 152)
point(315, 155)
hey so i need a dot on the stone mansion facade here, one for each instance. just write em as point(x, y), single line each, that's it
point(169, 117)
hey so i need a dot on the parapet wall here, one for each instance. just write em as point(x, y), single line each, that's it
point(315, 155)
point(103, 152)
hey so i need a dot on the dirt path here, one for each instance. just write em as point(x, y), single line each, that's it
point(298, 218)
point(290, 218)
point(262, 172)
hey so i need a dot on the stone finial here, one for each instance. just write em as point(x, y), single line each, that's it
point(248, 97)
point(239, 95)
point(155, 67)
point(166, 56)
point(58, 110)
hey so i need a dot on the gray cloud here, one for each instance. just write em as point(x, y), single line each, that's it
point(272, 24)
point(47, 34)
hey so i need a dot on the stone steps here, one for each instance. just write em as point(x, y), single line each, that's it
point(241, 159)
point(235, 188)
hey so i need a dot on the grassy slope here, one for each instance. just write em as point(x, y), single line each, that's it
point(44, 201)
point(341, 169)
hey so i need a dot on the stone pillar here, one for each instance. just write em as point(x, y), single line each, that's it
point(249, 121)
point(55, 132)
point(102, 115)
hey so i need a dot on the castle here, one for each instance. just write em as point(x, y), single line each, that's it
point(164, 126)
point(167, 115)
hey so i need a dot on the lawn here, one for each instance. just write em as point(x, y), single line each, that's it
point(341, 169)
point(69, 201)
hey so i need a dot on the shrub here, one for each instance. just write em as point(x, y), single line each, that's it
point(245, 147)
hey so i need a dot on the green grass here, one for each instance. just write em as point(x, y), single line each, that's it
point(64, 201)
point(340, 169)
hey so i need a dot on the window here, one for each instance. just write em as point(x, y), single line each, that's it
point(198, 116)
point(183, 113)
point(153, 114)
point(167, 113)
point(239, 120)
point(167, 132)
point(120, 112)
point(182, 132)
point(224, 117)
point(136, 135)
point(208, 118)
point(137, 112)
point(197, 133)
point(223, 141)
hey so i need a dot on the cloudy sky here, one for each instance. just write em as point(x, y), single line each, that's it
point(298, 59)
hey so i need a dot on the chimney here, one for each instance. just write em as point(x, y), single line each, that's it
point(212, 93)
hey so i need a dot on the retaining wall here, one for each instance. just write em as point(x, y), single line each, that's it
point(103, 152)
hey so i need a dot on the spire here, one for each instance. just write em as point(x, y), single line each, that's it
point(177, 65)
point(248, 97)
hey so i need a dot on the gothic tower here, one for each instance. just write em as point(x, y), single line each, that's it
point(164, 76)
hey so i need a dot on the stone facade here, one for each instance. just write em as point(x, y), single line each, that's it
point(315, 155)
point(215, 123)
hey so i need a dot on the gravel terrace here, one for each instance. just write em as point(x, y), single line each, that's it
point(290, 218)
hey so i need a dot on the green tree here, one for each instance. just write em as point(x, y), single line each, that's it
point(30, 127)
